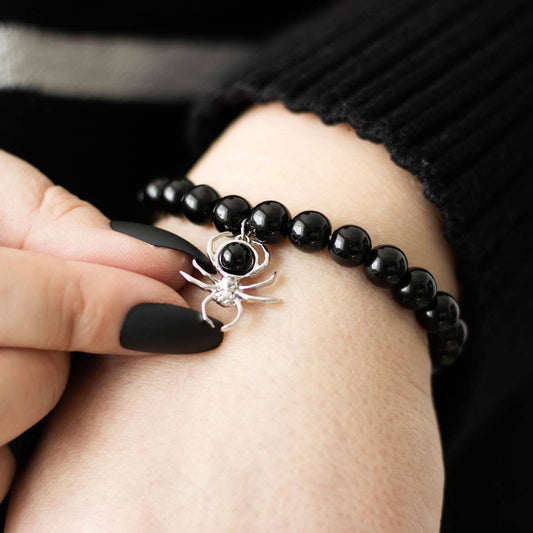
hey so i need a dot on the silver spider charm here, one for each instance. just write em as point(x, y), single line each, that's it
point(235, 260)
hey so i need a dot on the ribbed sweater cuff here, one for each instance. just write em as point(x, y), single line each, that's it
point(431, 81)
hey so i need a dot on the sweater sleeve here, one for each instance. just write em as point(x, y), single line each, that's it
point(445, 85)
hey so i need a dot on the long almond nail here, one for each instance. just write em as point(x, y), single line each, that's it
point(164, 239)
point(166, 328)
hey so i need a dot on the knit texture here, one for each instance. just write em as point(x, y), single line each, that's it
point(446, 87)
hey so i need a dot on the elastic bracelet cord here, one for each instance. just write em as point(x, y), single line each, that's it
point(350, 246)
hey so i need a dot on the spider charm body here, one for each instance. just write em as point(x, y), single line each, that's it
point(235, 260)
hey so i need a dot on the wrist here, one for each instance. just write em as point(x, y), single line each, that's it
point(356, 330)
point(270, 153)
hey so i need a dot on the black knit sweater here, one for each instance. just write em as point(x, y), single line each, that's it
point(445, 85)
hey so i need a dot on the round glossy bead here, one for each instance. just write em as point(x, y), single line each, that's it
point(198, 204)
point(236, 258)
point(447, 346)
point(269, 222)
point(309, 231)
point(416, 289)
point(173, 193)
point(386, 266)
point(229, 212)
point(440, 315)
point(350, 246)
point(150, 195)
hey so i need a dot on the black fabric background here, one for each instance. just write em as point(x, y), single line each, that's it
point(104, 151)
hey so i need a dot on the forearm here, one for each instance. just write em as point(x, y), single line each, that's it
point(313, 415)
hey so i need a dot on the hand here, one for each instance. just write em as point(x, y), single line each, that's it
point(314, 415)
point(62, 290)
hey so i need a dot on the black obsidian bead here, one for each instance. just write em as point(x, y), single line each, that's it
point(309, 231)
point(386, 266)
point(447, 346)
point(150, 195)
point(441, 314)
point(236, 258)
point(229, 212)
point(198, 204)
point(416, 289)
point(173, 193)
point(350, 246)
point(269, 221)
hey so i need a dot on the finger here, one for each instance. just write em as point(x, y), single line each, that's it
point(7, 470)
point(49, 303)
point(40, 216)
point(31, 383)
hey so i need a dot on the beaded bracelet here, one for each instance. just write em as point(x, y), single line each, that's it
point(246, 230)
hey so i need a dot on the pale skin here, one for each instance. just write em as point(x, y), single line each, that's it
point(313, 415)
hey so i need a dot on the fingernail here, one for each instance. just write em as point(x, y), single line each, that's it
point(166, 328)
point(163, 238)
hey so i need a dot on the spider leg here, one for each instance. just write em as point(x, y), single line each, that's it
point(207, 299)
point(271, 279)
point(258, 299)
point(238, 304)
point(211, 245)
point(197, 282)
point(203, 271)
point(259, 268)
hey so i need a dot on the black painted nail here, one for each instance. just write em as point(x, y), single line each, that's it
point(163, 238)
point(166, 328)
